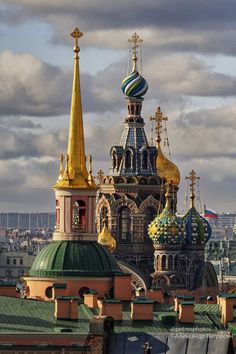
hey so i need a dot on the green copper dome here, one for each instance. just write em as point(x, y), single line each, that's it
point(74, 259)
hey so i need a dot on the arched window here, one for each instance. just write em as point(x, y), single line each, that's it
point(163, 263)
point(150, 214)
point(145, 160)
point(57, 215)
point(128, 159)
point(79, 215)
point(114, 160)
point(124, 224)
point(132, 109)
point(170, 262)
point(156, 262)
point(103, 216)
point(176, 262)
point(118, 162)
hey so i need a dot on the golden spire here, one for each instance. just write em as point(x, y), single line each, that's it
point(105, 239)
point(76, 174)
point(135, 42)
point(165, 168)
point(193, 178)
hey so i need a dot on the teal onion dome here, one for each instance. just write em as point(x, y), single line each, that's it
point(134, 85)
point(167, 228)
point(74, 259)
point(198, 229)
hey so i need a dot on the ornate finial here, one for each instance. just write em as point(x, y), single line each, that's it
point(76, 34)
point(90, 170)
point(135, 42)
point(167, 195)
point(192, 177)
point(90, 165)
point(100, 176)
point(159, 118)
point(67, 168)
point(61, 173)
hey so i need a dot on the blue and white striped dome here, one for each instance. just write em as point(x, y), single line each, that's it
point(134, 85)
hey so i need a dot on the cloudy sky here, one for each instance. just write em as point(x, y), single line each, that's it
point(188, 60)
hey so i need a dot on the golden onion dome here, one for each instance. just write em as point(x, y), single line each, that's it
point(167, 169)
point(105, 239)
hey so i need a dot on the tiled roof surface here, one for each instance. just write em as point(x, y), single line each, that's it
point(30, 316)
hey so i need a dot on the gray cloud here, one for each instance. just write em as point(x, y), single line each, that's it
point(16, 143)
point(217, 178)
point(21, 191)
point(18, 123)
point(204, 135)
point(35, 88)
point(32, 87)
point(187, 25)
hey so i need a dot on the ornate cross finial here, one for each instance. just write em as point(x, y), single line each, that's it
point(135, 42)
point(193, 178)
point(159, 118)
point(76, 34)
point(100, 176)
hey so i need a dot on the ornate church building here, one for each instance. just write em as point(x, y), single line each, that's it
point(130, 197)
point(130, 219)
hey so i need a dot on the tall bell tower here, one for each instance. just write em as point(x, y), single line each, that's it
point(75, 189)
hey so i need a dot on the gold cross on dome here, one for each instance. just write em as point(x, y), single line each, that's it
point(193, 178)
point(135, 41)
point(159, 118)
point(76, 34)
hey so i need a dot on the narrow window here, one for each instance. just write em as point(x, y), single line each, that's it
point(125, 224)
point(79, 215)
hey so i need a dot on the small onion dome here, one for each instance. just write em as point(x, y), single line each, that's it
point(167, 169)
point(167, 228)
point(134, 85)
point(198, 229)
point(105, 239)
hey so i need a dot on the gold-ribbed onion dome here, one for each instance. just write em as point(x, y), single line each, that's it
point(105, 239)
point(167, 169)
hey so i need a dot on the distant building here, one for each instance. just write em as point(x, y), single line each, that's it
point(27, 221)
point(223, 219)
point(14, 265)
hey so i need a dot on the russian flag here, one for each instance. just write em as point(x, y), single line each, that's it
point(209, 213)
